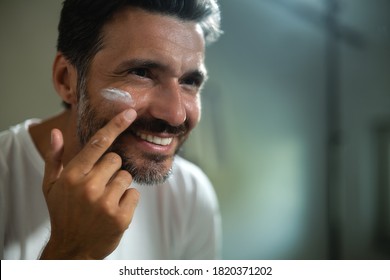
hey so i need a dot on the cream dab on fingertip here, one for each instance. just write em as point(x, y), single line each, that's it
point(117, 95)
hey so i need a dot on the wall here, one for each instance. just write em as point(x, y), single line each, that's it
point(28, 31)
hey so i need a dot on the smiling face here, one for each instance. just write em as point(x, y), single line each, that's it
point(159, 60)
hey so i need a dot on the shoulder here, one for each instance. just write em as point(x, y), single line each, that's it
point(198, 215)
point(189, 179)
point(7, 137)
point(7, 142)
point(189, 171)
point(16, 141)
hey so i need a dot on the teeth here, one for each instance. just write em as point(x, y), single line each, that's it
point(155, 140)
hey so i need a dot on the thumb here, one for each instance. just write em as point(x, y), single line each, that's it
point(53, 160)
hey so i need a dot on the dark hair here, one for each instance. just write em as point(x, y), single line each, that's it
point(81, 23)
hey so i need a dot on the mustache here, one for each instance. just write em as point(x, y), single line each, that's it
point(158, 126)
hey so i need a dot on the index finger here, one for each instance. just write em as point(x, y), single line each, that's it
point(102, 140)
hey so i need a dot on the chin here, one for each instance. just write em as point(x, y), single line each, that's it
point(149, 169)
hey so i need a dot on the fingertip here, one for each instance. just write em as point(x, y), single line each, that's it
point(56, 144)
point(55, 137)
point(53, 164)
point(135, 195)
point(130, 115)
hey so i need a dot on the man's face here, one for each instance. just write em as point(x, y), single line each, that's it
point(160, 61)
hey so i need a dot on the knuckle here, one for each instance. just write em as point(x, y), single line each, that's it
point(118, 123)
point(106, 207)
point(122, 221)
point(119, 220)
point(69, 178)
point(124, 176)
point(90, 190)
point(100, 140)
point(134, 196)
point(113, 158)
point(81, 169)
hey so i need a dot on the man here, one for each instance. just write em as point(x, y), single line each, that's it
point(130, 74)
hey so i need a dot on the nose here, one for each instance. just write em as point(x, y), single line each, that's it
point(168, 105)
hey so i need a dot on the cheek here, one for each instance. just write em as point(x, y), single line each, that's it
point(193, 111)
point(141, 98)
point(109, 108)
point(115, 100)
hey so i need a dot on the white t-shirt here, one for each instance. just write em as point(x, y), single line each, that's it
point(176, 220)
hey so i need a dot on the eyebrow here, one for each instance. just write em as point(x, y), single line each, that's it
point(152, 64)
point(147, 63)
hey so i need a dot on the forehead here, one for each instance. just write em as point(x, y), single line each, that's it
point(138, 32)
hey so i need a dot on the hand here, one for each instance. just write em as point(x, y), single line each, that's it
point(89, 202)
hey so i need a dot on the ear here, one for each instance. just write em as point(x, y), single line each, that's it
point(65, 79)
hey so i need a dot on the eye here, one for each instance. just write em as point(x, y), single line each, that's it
point(141, 72)
point(192, 81)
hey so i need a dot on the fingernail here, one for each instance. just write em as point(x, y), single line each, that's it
point(129, 115)
point(51, 137)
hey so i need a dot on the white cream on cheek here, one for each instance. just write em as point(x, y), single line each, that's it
point(118, 96)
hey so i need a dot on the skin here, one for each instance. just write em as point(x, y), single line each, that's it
point(87, 194)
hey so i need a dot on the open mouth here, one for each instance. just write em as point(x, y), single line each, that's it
point(157, 132)
point(161, 141)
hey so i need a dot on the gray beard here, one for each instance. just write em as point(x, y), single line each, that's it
point(151, 172)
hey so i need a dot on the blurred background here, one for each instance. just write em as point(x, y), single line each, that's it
point(295, 131)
